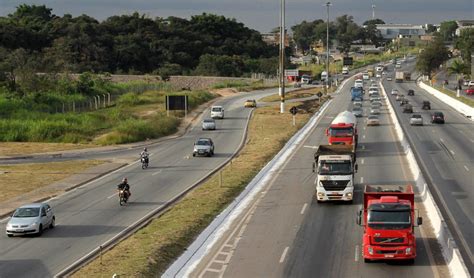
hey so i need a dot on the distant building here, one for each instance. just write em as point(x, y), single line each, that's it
point(274, 39)
point(464, 24)
point(391, 31)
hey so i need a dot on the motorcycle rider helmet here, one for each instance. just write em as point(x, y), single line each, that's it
point(144, 149)
point(125, 180)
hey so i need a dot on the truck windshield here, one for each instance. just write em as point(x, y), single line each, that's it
point(342, 132)
point(335, 167)
point(389, 219)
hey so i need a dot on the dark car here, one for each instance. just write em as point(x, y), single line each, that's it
point(403, 102)
point(408, 109)
point(411, 92)
point(426, 105)
point(437, 117)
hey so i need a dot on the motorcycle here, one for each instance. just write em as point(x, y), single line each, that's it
point(123, 197)
point(144, 162)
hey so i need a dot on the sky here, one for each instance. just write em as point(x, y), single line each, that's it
point(263, 15)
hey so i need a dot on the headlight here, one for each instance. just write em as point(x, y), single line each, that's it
point(321, 194)
point(34, 224)
point(349, 195)
point(408, 251)
point(371, 250)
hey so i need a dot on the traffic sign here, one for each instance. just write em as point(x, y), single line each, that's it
point(293, 110)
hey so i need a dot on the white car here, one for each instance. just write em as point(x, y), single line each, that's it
point(416, 119)
point(376, 104)
point(389, 78)
point(31, 219)
point(394, 92)
point(378, 75)
point(374, 110)
point(208, 124)
point(357, 103)
point(470, 83)
point(358, 83)
point(365, 76)
point(217, 112)
point(373, 120)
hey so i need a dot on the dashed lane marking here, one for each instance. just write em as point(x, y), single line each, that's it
point(356, 258)
point(361, 179)
point(362, 161)
point(282, 258)
point(304, 208)
point(157, 172)
point(465, 167)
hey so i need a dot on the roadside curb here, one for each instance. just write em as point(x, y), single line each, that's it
point(444, 237)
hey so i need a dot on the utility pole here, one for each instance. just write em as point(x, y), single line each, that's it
point(327, 47)
point(282, 57)
point(373, 11)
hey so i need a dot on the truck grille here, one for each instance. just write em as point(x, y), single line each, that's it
point(334, 185)
point(389, 252)
point(389, 240)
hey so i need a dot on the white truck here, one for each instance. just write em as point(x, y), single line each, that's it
point(345, 70)
point(335, 166)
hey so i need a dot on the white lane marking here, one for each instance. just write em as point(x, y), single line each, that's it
point(441, 139)
point(311, 147)
point(363, 137)
point(282, 258)
point(356, 253)
point(465, 167)
point(472, 140)
point(361, 179)
point(363, 147)
point(316, 180)
point(304, 208)
point(5, 220)
point(365, 127)
point(156, 173)
point(111, 195)
point(362, 161)
point(433, 130)
point(452, 152)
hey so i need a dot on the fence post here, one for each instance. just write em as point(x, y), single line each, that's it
point(109, 98)
point(73, 106)
point(96, 107)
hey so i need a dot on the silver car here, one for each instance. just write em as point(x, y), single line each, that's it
point(374, 110)
point(208, 124)
point(357, 111)
point(31, 219)
point(203, 146)
point(394, 92)
point(416, 119)
point(373, 120)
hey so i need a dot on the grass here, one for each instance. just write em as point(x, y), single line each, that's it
point(21, 148)
point(136, 117)
point(452, 94)
point(152, 249)
point(24, 178)
point(243, 85)
point(293, 95)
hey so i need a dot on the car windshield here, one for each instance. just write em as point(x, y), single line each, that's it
point(216, 109)
point(342, 132)
point(26, 212)
point(389, 219)
point(416, 116)
point(357, 109)
point(203, 143)
point(373, 118)
point(209, 121)
point(335, 167)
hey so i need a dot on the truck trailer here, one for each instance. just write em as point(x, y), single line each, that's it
point(335, 167)
point(389, 220)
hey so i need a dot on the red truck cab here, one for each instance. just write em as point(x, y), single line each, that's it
point(389, 222)
point(342, 134)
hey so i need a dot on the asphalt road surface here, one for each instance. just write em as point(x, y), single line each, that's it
point(286, 233)
point(446, 153)
point(91, 214)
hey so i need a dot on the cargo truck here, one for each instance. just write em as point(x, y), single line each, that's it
point(343, 130)
point(389, 220)
point(356, 93)
point(335, 167)
point(401, 76)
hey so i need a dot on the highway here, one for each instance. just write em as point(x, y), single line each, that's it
point(286, 233)
point(446, 154)
point(90, 215)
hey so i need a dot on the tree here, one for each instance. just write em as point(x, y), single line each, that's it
point(447, 30)
point(347, 31)
point(219, 65)
point(465, 44)
point(431, 29)
point(457, 67)
point(432, 57)
point(373, 22)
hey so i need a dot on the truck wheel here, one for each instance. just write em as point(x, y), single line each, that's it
point(411, 261)
point(367, 261)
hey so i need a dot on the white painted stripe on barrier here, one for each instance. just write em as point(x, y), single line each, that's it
point(450, 251)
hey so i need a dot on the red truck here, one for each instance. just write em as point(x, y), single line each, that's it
point(388, 218)
point(343, 130)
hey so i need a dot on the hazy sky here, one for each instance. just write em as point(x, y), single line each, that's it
point(263, 15)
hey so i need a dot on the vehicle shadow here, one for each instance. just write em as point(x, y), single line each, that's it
point(74, 231)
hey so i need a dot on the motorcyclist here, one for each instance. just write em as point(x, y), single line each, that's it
point(144, 154)
point(125, 187)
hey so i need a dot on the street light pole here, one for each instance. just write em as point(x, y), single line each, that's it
point(282, 57)
point(373, 11)
point(327, 47)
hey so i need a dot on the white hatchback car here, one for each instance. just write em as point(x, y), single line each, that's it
point(217, 112)
point(31, 219)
